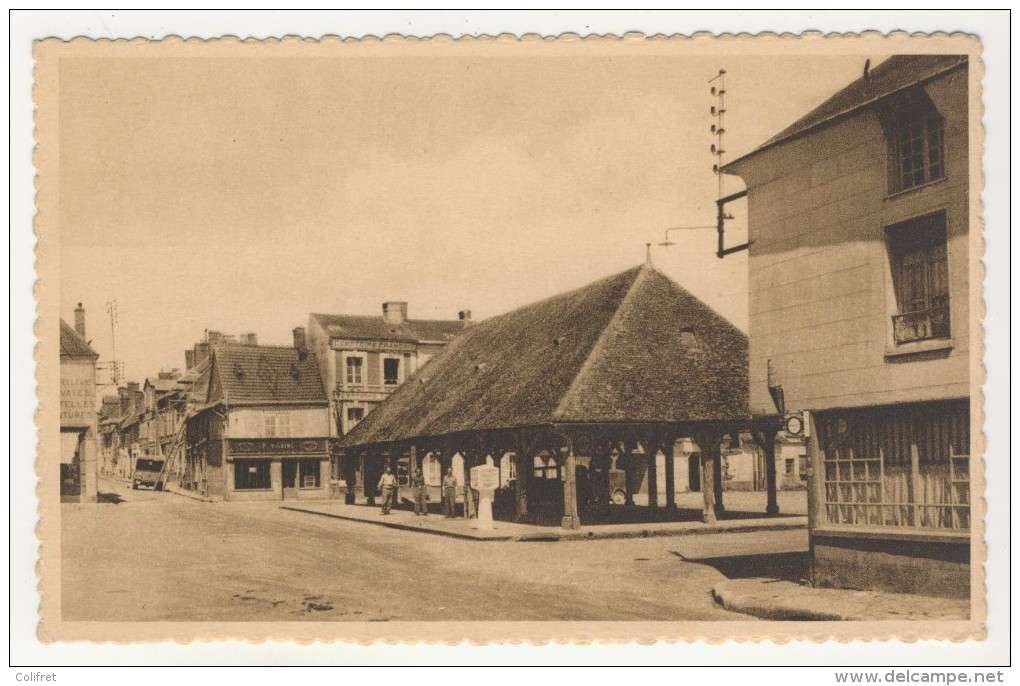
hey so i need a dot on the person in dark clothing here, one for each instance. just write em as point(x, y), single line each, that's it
point(421, 494)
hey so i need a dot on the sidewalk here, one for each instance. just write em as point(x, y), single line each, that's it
point(509, 531)
point(785, 600)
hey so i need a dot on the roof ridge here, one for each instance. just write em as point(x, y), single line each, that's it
point(642, 273)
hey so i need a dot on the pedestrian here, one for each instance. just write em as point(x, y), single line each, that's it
point(421, 494)
point(449, 493)
point(387, 489)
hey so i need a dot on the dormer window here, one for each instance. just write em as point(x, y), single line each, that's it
point(915, 136)
point(690, 340)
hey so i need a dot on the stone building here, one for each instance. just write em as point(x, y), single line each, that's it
point(261, 430)
point(79, 472)
point(859, 223)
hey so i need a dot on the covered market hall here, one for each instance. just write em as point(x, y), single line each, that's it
point(576, 396)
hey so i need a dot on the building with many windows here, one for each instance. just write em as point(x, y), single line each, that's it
point(859, 222)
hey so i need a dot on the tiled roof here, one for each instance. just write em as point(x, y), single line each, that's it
point(377, 328)
point(255, 374)
point(72, 344)
point(162, 385)
point(613, 351)
point(893, 75)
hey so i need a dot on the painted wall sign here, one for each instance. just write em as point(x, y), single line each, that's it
point(277, 446)
point(348, 344)
point(77, 395)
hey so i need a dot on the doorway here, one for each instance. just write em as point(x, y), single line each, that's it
point(290, 479)
point(694, 472)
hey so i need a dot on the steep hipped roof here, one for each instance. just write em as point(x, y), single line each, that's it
point(613, 351)
point(261, 374)
point(72, 344)
point(895, 74)
point(377, 328)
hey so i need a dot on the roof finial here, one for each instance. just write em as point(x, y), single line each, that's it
point(648, 255)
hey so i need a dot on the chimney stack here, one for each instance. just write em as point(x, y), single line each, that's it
point(79, 320)
point(189, 359)
point(249, 339)
point(300, 342)
point(465, 318)
point(395, 312)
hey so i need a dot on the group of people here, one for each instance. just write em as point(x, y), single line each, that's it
point(388, 490)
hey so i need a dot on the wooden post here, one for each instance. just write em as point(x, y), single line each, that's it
point(571, 520)
point(651, 452)
point(815, 476)
point(469, 502)
point(522, 459)
point(717, 477)
point(772, 508)
point(667, 449)
point(708, 443)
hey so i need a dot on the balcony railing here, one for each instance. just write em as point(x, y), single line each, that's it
point(921, 325)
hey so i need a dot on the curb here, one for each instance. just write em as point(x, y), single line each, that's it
point(735, 602)
point(399, 526)
point(556, 536)
point(185, 494)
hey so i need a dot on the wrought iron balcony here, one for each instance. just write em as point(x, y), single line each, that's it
point(921, 325)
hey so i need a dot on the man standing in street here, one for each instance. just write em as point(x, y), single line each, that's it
point(421, 493)
point(387, 489)
point(449, 493)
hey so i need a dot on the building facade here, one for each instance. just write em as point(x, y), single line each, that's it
point(261, 431)
point(859, 226)
point(79, 470)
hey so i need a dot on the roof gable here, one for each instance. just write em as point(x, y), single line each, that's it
point(361, 327)
point(891, 76)
point(249, 374)
point(611, 351)
point(72, 344)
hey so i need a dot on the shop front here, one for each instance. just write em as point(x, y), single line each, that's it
point(277, 469)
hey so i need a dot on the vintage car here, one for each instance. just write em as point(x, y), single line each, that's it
point(148, 473)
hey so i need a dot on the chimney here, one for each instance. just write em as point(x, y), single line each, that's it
point(465, 318)
point(395, 312)
point(201, 352)
point(125, 400)
point(300, 343)
point(189, 359)
point(250, 339)
point(79, 320)
point(213, 337)
point(133, 386)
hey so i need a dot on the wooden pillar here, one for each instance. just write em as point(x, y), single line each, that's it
point(717, 477)
point(523, 460)
point(708, 442)
point(667, 450)
point(571, 520)
point(469, 501)
point(769, 446)
point(651, 452)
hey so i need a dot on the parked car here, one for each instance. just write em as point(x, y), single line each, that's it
point(148, 474)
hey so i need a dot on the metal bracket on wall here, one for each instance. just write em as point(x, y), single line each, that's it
point(721, 218)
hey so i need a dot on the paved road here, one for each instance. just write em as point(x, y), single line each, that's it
point(160, 556)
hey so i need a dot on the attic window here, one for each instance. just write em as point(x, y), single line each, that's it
point(481, 366)
point(239, 372)
point(690, 341)
point(295, 372)
point(558, 340)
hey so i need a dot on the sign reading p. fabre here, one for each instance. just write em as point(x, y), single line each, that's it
point(485, 479)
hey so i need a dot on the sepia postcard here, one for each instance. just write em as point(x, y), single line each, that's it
point(504, 339)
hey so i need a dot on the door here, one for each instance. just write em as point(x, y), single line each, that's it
point(290, 479)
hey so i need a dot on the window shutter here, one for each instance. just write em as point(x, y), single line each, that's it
point(374, 374)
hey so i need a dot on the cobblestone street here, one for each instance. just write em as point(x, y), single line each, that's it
point(149, 556)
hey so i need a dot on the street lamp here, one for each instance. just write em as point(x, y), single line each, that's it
point(666, 243)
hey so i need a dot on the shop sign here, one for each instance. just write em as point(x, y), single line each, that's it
point(277, 446)
point(392, 346)
point(77, 395)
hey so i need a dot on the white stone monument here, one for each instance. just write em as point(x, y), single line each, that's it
point(485, 479)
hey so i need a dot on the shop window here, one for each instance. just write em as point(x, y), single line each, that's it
point(901, 467)
point(915, 137)
point(920, 275)
point(432, 470)
point(354, 371)
point(391, 371)
point(309, 473)
point(252, 475)
point(546, 468)
point(789, 465)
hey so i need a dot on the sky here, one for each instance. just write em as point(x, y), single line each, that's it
point(243, 193)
